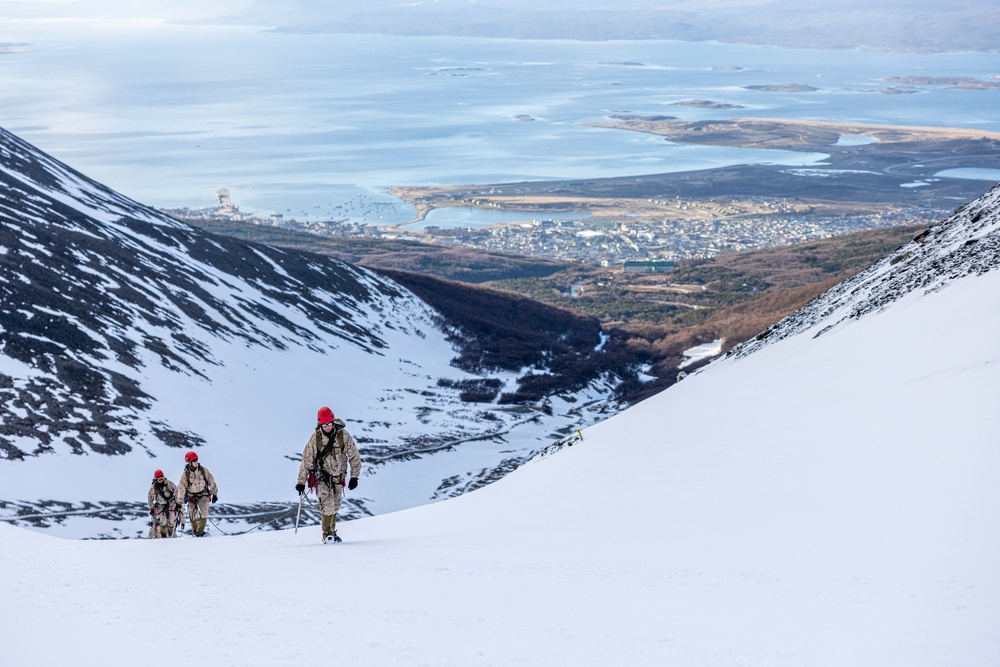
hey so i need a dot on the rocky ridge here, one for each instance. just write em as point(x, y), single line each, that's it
point(967, 243)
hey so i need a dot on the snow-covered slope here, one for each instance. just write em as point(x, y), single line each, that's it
point(823, 500)
point(127, 337)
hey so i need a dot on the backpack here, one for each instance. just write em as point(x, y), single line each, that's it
point(316, 472)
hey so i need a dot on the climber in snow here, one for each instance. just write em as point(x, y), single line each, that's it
point(164, 506)
point(325, 461)
point(197, 487)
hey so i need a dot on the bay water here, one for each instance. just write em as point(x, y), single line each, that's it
point(320, 126)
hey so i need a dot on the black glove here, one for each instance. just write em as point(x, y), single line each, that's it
point(301, 488)
point(214, 498)
point(353, 484)
point(152, 512)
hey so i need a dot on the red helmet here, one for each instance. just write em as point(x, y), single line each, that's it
point(190, 456)
point(157, 473)
point(325, 416)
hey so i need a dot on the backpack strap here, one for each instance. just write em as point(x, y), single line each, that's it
point(206, 492)
point(321, 457)
point(164, 492)
point(329, 445)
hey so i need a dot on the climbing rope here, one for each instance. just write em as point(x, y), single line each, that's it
point(255, 526)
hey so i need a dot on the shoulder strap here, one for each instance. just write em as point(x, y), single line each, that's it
point(329, 445)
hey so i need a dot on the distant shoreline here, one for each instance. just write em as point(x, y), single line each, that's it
point(794, 135)
point(896, 171)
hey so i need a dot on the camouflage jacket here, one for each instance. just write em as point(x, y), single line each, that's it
point(195, 483)
point(334, 465)
point(162, 494)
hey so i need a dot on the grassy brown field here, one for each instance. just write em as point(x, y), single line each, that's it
point(731, 297)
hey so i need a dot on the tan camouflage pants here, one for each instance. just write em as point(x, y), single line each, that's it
point(163, 524)
point(329, 497)
point(198, 508)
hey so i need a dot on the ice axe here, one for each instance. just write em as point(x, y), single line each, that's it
point(298, 513)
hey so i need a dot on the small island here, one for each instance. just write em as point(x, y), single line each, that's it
point(707, 104)
point(637, 118)
point(892, 90)
point(959, 82)
point(784, 88)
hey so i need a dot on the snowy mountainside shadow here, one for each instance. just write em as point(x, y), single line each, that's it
point(967, 243)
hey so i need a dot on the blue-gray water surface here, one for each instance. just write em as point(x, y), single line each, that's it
point(319, 126)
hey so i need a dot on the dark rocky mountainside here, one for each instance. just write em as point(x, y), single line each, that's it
point(93, 285)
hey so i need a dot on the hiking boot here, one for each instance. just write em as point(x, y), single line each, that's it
point(331, 538)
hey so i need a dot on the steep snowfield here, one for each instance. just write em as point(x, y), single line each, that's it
point(825, 500)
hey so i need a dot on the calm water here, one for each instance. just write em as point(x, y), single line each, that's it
point(319, 126)
point(972, 174)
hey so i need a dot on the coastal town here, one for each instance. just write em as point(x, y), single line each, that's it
point(637, 235)
point(610, 241)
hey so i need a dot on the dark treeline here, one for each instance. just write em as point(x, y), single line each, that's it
point(503, 331)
